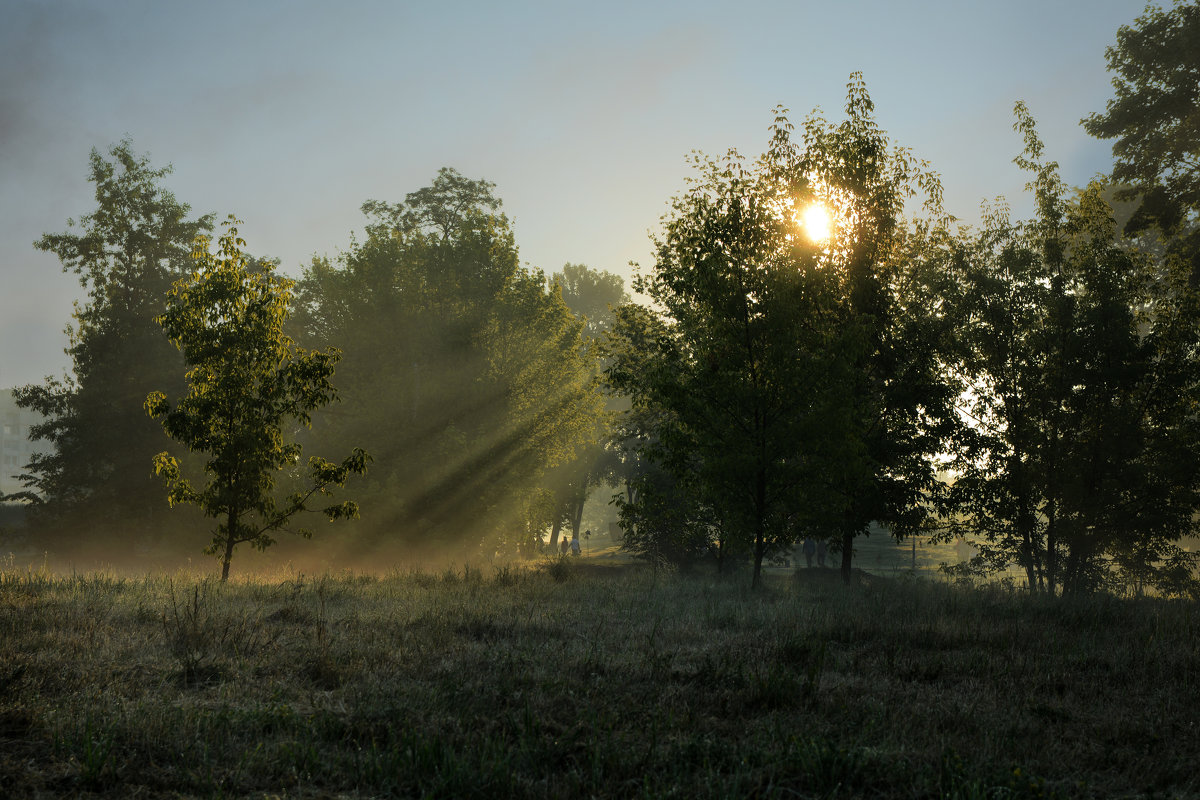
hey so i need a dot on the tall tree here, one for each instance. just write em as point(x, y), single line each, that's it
point(463, 368)
point(1082, 459)
point(97, 476)
point(739, 374)
point(247, 381)
point(796, 380)
point(1155, 124)
point(900, 407)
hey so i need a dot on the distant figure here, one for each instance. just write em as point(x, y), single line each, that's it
point(964, 551)
point(574, 545)
point(564, 546)
point(810, 547)
point(821, 550)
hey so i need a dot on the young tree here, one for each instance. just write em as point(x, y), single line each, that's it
point(739, 374)
point(127, 253)
point(899, 408)
point(247, 380)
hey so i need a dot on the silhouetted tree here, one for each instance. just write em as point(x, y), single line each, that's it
point(1156, 67)
point(899, 408)
point(1079, 351)
point(795, 384)
point(97, 476)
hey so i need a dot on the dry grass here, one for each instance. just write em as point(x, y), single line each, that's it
point(554, 682)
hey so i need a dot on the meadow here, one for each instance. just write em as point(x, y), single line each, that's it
point(570, 679)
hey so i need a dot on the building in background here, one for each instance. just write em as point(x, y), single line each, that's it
point(16, 447)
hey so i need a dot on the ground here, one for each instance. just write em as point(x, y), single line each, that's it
point(570, 678)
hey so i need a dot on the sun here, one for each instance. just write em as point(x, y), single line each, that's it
point(817, 222)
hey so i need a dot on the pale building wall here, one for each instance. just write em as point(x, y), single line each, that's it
point(16, 448)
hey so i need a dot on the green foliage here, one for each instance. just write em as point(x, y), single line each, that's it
point(789, 384)
point(467, 373)
point(593, 296)
point(1156, 68)
point(1081, 462)
point(247, 381)
point(127, 253)
point(1152, 119)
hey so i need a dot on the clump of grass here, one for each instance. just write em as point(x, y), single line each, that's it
point(203, 636)
point(558, 567)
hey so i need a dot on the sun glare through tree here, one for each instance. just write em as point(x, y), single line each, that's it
point(817, 223)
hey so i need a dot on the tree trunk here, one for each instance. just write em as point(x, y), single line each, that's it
point(1051, 544)
point(228, 557)
point(554, 533)
point(230, 527)
point(760, 503)
point(577, 511)
point(847, 555)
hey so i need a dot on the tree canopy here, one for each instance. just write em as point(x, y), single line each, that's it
point(1080, 463)
point(791, 383)
point(1153, 119)
point(467, 372)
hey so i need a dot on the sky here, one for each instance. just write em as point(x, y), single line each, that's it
point(292, 114)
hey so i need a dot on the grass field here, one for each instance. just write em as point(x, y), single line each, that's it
point(571, 679)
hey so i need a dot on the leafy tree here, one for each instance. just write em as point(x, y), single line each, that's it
point(899, 410)
point(795, 384)
point(592, 295)
point(736, 376)
point(126, 253)
point(667, 515)
point(464, 370)
point(1152, 118)
point(247, 381)
point(1082, 457)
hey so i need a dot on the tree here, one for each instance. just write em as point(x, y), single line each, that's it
point(795, 382)
point(737, 377)
point(1152, 118)
point(463, 368)
point(1081, 463)
point(899, 410)
point(247, 380)
point(126, 253)
point(592, 295)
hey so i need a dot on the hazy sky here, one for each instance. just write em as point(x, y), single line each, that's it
point(291, 114)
